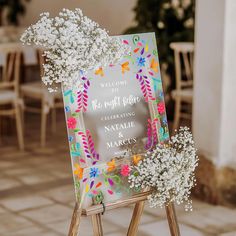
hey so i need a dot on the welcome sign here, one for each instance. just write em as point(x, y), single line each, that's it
point(114, 119)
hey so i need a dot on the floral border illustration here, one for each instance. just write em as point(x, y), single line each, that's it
point(112, 175)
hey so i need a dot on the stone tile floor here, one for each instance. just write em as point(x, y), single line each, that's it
point(37, 197)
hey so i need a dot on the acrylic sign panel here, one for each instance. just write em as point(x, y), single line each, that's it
point(114, 119)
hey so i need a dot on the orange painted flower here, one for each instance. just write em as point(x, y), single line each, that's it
point(125, 67)
point(78, 171)
point(111, 165)
point(154, 65)
point(99, 72)
point(136, 159)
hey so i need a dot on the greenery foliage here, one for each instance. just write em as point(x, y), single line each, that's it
point(171, 20)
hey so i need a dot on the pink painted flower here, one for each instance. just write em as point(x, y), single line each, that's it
point(71, 123)
point(125, 170)
point(161, 107)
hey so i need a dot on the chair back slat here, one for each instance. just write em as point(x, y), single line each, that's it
point(11, 71)
point(9, 68)
point(191, 62)
point(187, 65)
point(17, 71)
point(178, 72)
point(41, 60)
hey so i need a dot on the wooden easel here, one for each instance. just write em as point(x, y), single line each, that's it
point(96, 211)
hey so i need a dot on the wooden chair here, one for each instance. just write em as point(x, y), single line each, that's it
point(49, 101)
point(10, 34)
point(10, 103)
point(183, 55)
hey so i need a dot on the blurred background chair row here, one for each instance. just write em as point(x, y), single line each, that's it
point(17, 97)
point(10, 102)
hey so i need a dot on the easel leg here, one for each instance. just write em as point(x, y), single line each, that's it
point(138, 210)
point(75, 221)
point(172, 220)
point(97, 225)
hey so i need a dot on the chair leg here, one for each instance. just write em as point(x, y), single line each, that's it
point(0, 130)
point(43, 124)
point(22, 112)
point(19, 127)
point(23, 118)
point(177, 114)
point(54, 120)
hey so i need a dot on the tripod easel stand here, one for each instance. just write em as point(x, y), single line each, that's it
point(96, 211)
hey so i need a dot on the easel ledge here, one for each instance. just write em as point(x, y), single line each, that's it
point(96, 209)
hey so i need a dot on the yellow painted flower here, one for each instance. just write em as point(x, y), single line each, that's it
point(136, 159)
point(99, 72)
point(111, 165)
point(125, 67)
point(78, 171)
point(154, 65)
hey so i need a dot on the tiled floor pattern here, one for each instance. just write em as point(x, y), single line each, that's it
point(36, 196)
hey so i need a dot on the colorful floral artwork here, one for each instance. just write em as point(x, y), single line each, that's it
point(98, 178)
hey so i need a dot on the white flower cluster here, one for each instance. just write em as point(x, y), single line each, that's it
point(168, 171)
point(73, 44)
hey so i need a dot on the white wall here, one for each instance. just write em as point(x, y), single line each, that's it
point(214, 122)
point(208, 74)
point(228, 112)
point(113, 15)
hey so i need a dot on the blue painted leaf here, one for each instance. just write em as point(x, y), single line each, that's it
point(67, 92)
